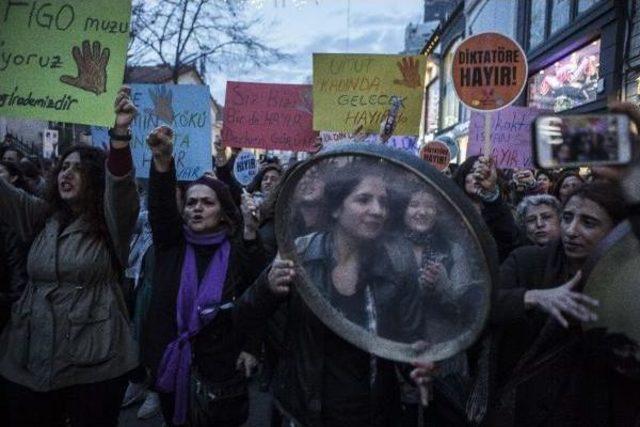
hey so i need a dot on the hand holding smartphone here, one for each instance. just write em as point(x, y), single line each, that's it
point(582, 140)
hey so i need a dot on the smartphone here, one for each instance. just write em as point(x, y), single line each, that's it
point(582, 140)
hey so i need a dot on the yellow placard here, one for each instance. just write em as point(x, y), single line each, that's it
point(350, 90)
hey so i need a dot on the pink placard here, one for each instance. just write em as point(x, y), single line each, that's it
point(510, 136)
point(268, 116)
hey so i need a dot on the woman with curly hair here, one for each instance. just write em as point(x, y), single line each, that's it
point(67, 348)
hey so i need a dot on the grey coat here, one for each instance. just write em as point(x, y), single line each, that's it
point(70, 326)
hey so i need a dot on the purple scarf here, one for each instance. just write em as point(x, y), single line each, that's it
point(197, 305)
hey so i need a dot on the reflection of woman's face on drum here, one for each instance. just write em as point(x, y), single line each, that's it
point(363, 213)
point(310, 188)
point(420, 215)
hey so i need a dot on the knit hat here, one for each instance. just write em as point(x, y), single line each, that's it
point(224, 197)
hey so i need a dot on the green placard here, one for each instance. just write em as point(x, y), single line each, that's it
point(62, 61)
point(350, 90)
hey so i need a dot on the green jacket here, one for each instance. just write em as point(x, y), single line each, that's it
point(70, 326)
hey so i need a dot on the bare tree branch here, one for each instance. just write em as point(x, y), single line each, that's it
point(215, 33)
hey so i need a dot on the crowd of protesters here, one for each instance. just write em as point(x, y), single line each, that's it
point(113, 291)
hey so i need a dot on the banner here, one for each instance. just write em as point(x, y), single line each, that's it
point(186, 109)
point(356, 90)
point(62, 61)
point(268, 116)
point(510, 136)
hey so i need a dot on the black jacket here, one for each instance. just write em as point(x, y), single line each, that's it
point(548, 375)
point(13, 270)
point(217, 346)
point(309, 346)
point(498, 217)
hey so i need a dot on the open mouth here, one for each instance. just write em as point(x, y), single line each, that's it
point(66, 186)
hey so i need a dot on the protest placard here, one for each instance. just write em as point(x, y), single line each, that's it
point(268, 116)
point(186, 109)
point(245, 167)
point(510, 136)
point(350, 90)
point(62, 61)
point(437, 154)
point(489, 71)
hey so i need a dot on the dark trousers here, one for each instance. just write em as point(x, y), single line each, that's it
point(84, 405)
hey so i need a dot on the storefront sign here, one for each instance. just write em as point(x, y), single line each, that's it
point(437, 154)
point(489, 71)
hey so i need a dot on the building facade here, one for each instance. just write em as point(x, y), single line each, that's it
point(582, 54)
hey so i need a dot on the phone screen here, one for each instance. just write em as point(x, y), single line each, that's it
point(582, 140)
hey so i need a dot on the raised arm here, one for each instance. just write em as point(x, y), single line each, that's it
point(165, 220)
point(121, 202)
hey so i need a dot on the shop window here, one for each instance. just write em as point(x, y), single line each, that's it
point(569, 82)
point(548, 17)
point(584, 5)
point(450, 111)
point(560, 14)
point(538, 22)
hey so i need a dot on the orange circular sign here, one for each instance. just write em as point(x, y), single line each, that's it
point(437, 153)
point(489, 71)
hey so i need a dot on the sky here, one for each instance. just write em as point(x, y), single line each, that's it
point(302, 27)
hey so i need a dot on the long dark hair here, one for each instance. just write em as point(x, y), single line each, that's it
point(465, 169)
point(345, 179)
point(91, 200)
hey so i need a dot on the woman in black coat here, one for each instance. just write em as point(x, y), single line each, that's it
point(203, 264)
point(13, 251)
point(477, 176)
point(549, 371)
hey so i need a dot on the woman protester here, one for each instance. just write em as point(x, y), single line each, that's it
point(477, 176)
point(13, 251)
point(424, 252)
point(550, 372)
point(539, 219)
point(204, 259)
point(322, 380)
point(543, 178)
point(67, 349)
point(566, 183)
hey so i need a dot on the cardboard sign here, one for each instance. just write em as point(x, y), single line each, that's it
point(186, 109)
point(489, 71)
point(268, 116)
point(245, 167)
point(437, 154)
point(62, 61)
point(510, 136)
point(356, 90)
point(402, 142)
